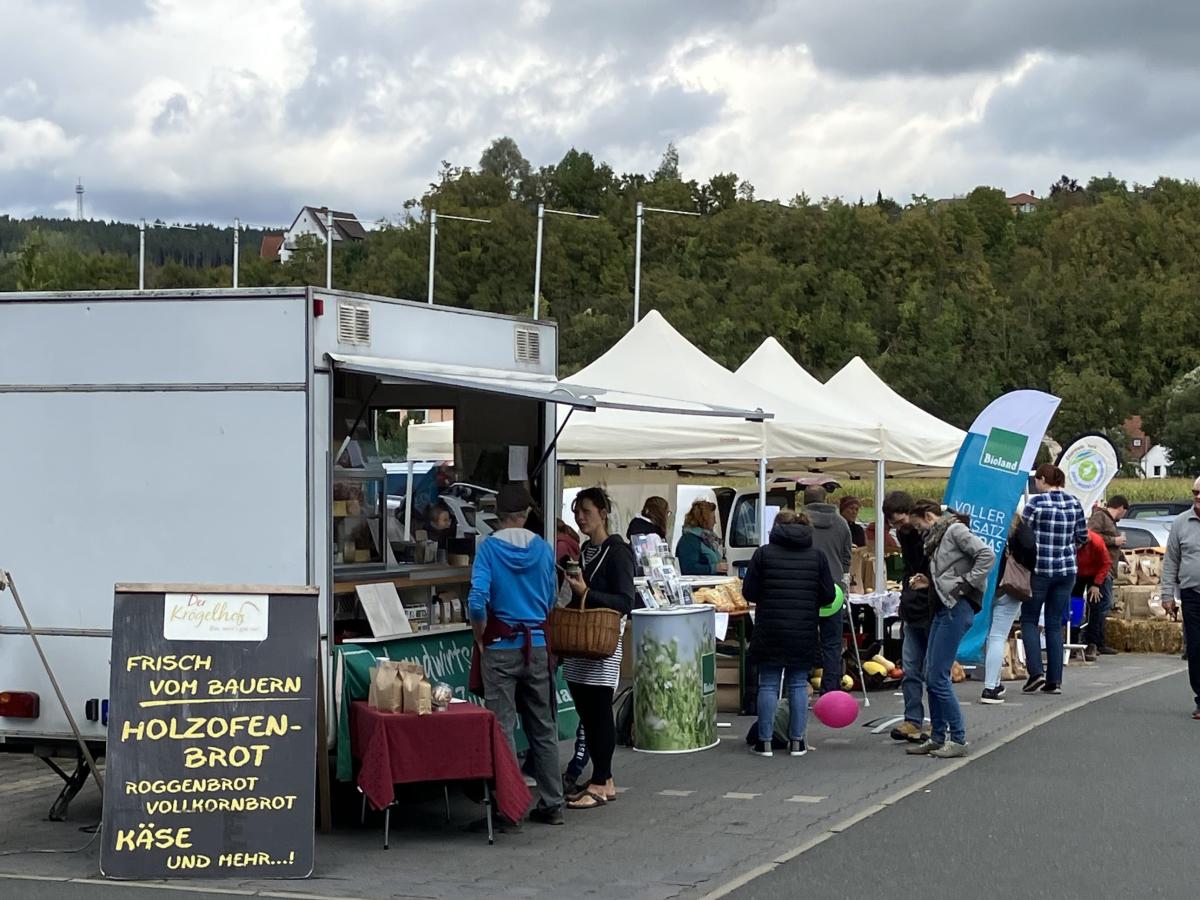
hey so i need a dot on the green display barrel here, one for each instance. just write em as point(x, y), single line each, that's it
point(674, 679)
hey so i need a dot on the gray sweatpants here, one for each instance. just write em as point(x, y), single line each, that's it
point(511, 688)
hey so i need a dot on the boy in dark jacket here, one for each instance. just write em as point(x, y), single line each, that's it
point(789, 581)
point(916, 614)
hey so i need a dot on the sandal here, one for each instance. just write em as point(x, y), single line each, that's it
point(582, 791)
point(596, 801)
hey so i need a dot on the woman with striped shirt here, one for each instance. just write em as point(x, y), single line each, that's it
point(606, 580)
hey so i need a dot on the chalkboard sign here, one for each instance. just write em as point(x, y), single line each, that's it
point(211, 758)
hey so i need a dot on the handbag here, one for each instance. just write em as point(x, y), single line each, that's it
point(584, 633)
point(1016, 580)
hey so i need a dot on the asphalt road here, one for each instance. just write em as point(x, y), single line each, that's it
point(1102, 802)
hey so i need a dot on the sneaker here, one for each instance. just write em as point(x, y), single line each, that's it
point(1089, 653)
point(797, 748)
point(1034, 682)
point(907, 731)
point(1051, 688)
point(763, 748)
point(926, 746)
point(1108, 651)
point(992, 695)
point(949, 750)
point(552, 815)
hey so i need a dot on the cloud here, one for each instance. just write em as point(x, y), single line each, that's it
point(938, 37)
point(183, 110)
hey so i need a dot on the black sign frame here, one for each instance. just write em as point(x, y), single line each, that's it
point(212, 735)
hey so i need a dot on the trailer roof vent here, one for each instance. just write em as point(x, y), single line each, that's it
point(528, 345)
point(353, 323)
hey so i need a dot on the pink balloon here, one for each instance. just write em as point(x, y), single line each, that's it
point(837, 709)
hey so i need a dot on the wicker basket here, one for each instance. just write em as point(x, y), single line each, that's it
point(584, 633)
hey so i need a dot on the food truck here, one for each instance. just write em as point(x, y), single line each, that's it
point(229, 437)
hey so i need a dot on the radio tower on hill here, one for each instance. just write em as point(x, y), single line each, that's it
point(79, 199)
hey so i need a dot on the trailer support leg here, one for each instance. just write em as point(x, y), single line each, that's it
point(73, 784)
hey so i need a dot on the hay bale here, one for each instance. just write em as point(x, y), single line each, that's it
point(1117, 633)
point(1144, 635)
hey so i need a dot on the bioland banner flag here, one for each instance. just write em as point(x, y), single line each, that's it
point(988, 478)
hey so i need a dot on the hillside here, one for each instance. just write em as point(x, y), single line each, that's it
point(1092, 295)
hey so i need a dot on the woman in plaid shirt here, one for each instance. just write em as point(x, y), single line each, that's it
point(1059, 525)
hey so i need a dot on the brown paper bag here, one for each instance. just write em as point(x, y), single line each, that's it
point(386, 692)
point(1013, 669)
point(418, 694)
point(386, 688)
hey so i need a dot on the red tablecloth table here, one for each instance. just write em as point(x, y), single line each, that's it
point(461, 743)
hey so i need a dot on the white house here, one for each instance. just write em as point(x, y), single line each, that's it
point(1157, 462)
point(311, 220)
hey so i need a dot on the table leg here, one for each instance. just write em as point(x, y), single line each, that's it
point(487, 806)
point(362, 816)
point(387, 825)
point(446, 792)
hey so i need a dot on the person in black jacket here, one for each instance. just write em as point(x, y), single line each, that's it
point(789, 581)
point(606, 580)
point(653, 520)
point(1021, 548)
point(916, 615)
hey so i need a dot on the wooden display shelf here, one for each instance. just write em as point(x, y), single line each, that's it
point(440, 575)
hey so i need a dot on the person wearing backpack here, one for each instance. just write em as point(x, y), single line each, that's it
point(1012, 589)
point(959, 565)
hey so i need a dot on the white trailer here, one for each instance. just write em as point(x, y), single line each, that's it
point(189, 436)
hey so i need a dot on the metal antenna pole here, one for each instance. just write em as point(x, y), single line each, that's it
point(7, 582)
point(142, 255)
point(637, 267)
point(328, 249)
point(432, 251)
point(237, 228)
point(537, 264)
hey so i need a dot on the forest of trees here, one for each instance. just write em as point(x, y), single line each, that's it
point(1093, 296)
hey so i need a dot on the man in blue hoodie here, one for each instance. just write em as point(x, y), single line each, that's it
point(513, 589)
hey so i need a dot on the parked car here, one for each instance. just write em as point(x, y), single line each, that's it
point(1142, 533)
point(1156, 510)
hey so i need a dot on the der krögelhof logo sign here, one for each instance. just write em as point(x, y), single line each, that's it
point(1004, 450)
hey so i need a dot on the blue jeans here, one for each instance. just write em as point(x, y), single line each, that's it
point(1004, 612)
point(1094, 633)
point(949, 626)
point(768, 700)
point(912, 661)
point(1054, 593)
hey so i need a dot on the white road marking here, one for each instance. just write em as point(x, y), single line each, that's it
point(676, 793)
point(734, 795)
point(804, 798)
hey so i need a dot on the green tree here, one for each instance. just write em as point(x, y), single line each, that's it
point(1092, 401)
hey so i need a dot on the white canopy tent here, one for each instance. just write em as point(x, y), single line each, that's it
point(654, 357)
point(911, 441)
point(911, 436)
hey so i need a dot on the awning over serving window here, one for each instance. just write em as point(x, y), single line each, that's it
point(532, 386)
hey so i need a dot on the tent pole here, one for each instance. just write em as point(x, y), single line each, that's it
point(408, 501)
point(762, 501)
point(880, 532)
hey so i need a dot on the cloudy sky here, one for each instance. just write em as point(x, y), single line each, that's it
point(251, 108)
